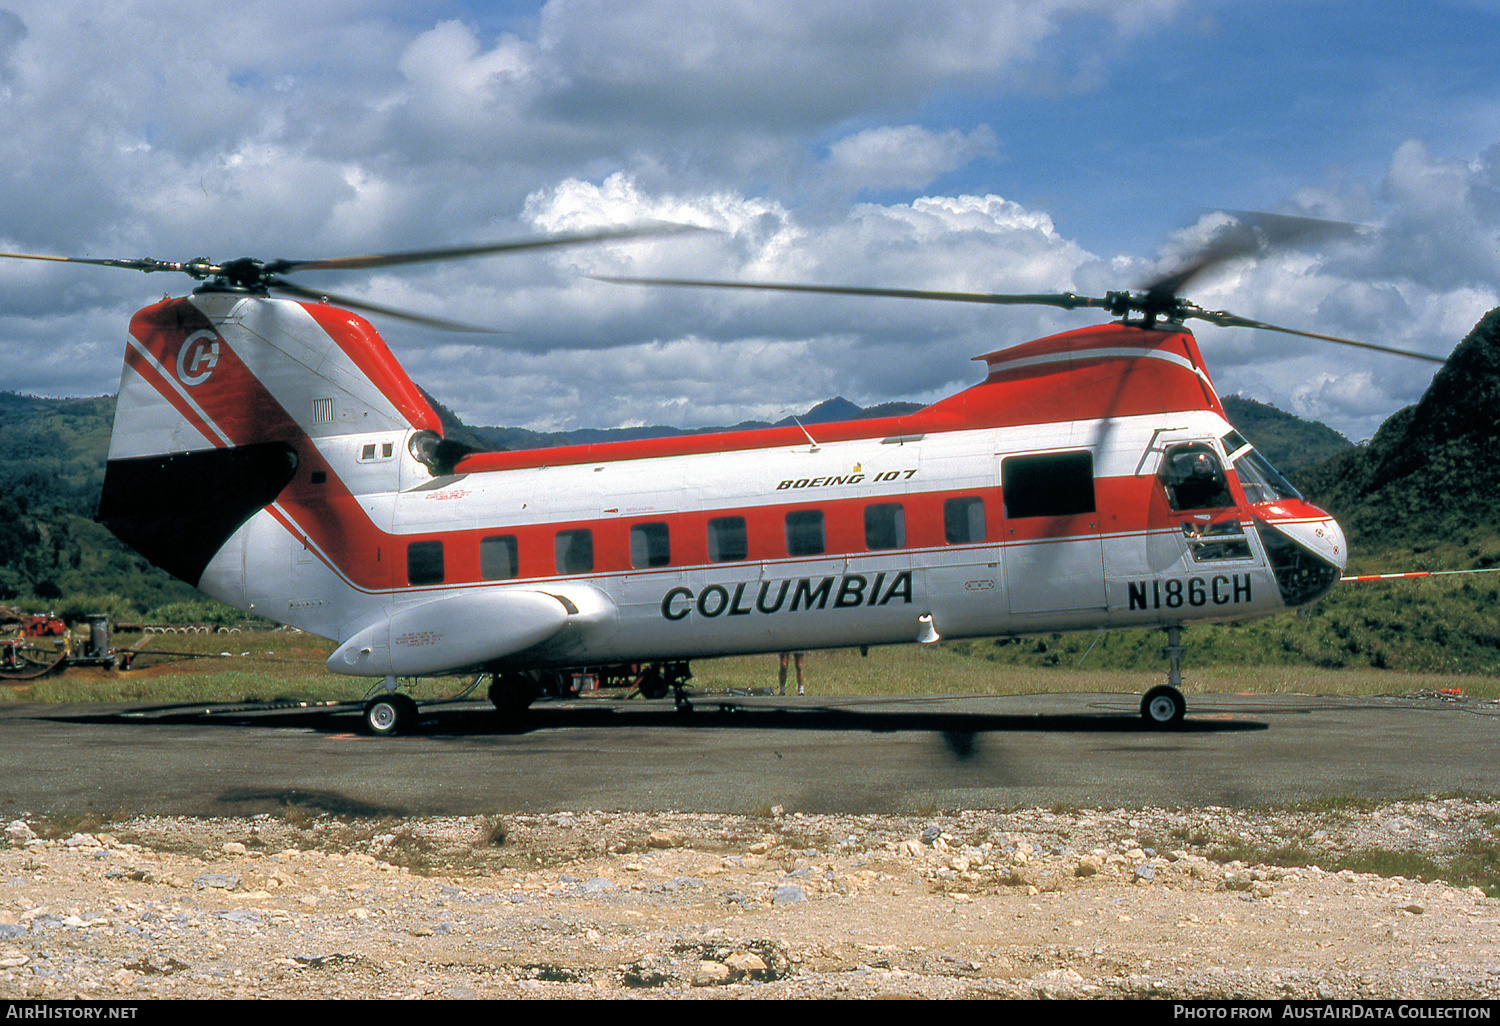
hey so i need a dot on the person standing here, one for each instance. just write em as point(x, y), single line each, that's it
point(797, 659)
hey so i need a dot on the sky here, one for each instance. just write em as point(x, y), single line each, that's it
point(1055, 145)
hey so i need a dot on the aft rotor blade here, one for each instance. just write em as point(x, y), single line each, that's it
point(320, 296)
point(1065, 300)
point(1254, 232)
point(420, 256)
point(1229, 320)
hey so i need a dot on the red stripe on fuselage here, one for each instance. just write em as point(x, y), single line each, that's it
point(1127, 506)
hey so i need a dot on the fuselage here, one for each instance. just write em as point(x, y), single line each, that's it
point(1057, 495)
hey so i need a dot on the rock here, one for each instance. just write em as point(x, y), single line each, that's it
point(745, 963)
point(666, 839)
point(18, 833)
point(786, 894)
point(711, 974)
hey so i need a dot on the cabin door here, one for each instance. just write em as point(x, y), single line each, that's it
point(1051, 544)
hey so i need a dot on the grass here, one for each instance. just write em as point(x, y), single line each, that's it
point(947, 669)
point(270, 665)
point(245, 667)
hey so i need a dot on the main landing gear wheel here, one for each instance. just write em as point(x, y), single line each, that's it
point(1163, 707)
point(512, 693)
point(390, 715)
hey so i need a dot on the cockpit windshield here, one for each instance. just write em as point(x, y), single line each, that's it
point(1261, 481)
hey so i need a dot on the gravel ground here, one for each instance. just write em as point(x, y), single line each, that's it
point(1025, 903)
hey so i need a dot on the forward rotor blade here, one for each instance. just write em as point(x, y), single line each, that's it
point(1229, 320)
point(143, 264)
point(1065, 300)
point(320, 296)
point(420, 256)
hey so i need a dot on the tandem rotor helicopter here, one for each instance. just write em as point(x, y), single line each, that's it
point(274, 453)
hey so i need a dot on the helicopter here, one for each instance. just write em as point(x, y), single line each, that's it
point(270, 449)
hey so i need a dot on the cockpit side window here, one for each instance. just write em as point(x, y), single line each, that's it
point(1261, 481)
point(1194, 478)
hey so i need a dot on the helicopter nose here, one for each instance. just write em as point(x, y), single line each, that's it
point(1320, 534)
point(1307, 551)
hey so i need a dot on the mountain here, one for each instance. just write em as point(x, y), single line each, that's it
point(1432, 471)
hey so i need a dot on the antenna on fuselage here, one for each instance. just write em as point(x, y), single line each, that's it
point(811, 441)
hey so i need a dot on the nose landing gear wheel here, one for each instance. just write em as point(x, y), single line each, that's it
point(1163, 707)
point(390, 715)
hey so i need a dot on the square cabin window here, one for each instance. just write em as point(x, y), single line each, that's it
point(575, 551)
point(424, 562)
point(885, 526)
point(497, 558)
point(963, 520)
point(1053, 484)
point(726, 539)
point(804, 533)
point(650, 545)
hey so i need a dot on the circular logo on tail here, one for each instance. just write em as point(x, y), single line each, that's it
point(197, 357)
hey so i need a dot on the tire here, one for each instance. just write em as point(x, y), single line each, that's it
point(653, 685)
point(390, 715)
point(511, 693)
point(1163, 707)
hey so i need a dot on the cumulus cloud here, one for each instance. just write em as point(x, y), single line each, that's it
point(818, 142)
point(905, 156)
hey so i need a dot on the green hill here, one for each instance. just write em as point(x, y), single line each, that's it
point(1288, 441)
point(52, 554)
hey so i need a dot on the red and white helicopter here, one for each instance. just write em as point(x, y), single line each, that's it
point(274, 453)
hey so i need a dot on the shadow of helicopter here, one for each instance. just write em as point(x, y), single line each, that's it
point(455, 720)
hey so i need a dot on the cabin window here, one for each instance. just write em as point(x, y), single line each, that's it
point(1194, 478)
point(649, 545)
point(424, 562)
point(1054, 484)
point(1213, 542)
point(885, 526)
point(575, 551)
point(726, 539)
point(497, 558)
point(368, 451)
point(963, 520)
point(804, 533)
